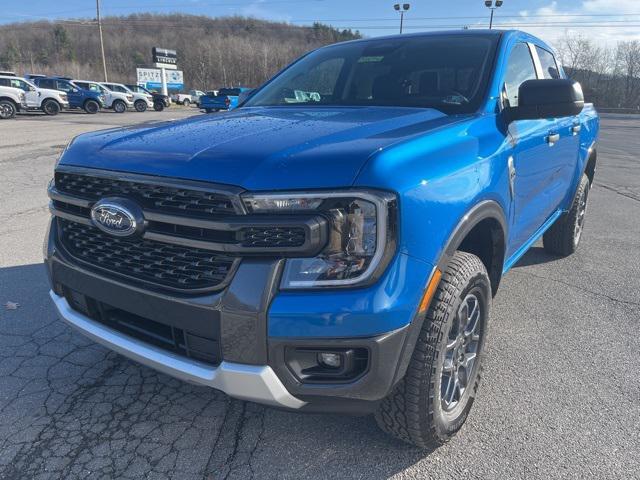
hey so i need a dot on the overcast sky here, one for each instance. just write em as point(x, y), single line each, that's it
point(601, 20)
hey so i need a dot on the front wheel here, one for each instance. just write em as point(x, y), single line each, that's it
point(7, 109)
point(564, 235)
point(431, 403)
point(51, 107)
point(140, 105)
point(91, 106)
point(119, 106)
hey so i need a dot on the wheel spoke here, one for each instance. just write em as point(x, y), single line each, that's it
point(448, 365)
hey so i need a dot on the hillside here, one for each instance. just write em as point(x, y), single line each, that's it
point(212, 51)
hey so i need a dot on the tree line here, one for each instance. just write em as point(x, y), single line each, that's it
point(609, 74)
point(212, 52)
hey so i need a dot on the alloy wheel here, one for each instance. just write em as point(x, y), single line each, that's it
point(461, 352)
point(582, 211)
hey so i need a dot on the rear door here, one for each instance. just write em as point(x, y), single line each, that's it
point(534, 158)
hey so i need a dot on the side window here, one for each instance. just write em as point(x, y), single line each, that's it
point(520, 68)
point(548, 63)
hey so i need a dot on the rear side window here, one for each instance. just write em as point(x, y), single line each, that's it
point(548, 62)
point(520, 68)
point(4, 82)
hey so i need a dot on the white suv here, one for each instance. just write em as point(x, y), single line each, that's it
point(118, 102)
point(49, 101)
point(12, 100)
point(141, 101)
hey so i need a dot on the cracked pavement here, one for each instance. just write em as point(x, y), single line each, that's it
point(560, 395)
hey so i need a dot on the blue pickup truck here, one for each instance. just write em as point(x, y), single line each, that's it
point(79, 98)
point(223, 99)
point(334, 244)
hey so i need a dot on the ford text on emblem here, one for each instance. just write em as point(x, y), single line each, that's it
point(119, 217)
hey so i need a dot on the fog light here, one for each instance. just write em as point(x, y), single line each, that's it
point(332, 360)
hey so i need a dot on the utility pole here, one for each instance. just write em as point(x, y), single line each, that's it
point(104, 61)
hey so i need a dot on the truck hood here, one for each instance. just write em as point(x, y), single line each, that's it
point(260, 148)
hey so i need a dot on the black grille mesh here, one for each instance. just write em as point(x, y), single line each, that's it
point(153, 197)
point(273, 237)
point(174, 266)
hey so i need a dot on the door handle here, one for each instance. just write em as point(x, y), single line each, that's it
point(553, 138)
point(576, 129)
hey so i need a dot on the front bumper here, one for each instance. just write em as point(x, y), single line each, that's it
point(257, 325)
point(246, 382)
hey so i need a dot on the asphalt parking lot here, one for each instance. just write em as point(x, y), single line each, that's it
point(560, 396)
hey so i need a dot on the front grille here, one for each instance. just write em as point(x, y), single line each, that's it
point(162, 198)
point(271, 237)
point(168, 337)
point(162, 264)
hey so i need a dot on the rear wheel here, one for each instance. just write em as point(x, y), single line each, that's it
point(91, 106)
point(431, 403)
point(158, 106)
point(564, 235)
point(186, 102)
point(119, 106)
point(7, 109)
point(140, 105)
point(50, 107)
point(208, 110)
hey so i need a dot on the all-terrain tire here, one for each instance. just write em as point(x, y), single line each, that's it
point(414, 412)
point(50, 107)
point(564, 235)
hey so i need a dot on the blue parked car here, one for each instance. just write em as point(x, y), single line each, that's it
point(224, 99)
point(88, 100)
point(335, 243)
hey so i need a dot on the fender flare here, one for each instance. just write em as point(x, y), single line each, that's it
point(486, 209)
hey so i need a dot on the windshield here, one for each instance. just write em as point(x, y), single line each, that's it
point(447, 72)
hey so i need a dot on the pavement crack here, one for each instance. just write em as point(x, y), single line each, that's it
point(582, 289)
point(632, 196)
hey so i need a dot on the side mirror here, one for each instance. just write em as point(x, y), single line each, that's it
point(548, 98)
point(244, 95)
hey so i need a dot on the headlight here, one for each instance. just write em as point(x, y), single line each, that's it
point(361, 237)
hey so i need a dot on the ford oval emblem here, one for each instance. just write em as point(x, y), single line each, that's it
point(119, 217)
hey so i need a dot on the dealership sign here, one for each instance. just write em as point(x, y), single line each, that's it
point(152, 78)
point(164, 56)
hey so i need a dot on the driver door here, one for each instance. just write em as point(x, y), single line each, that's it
point(534, 160)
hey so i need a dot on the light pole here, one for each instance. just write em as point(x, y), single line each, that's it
point(492, 6)
point(401, 8)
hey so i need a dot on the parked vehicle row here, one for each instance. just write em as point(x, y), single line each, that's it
point(52, 94)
